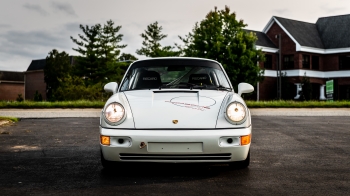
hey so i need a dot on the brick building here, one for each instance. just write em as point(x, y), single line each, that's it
point(34, 79)
point(11, 85)
point(320, 51)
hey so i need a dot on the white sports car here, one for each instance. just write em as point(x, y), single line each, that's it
point(175, 110)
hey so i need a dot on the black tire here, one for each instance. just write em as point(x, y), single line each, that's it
point(106, 164)
point(241, 164)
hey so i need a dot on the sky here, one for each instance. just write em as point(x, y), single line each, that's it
point(30, 29)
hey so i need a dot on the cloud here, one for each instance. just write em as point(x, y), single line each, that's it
point(64, 7)
point(36, 8)
point(5, 26)
point(330, 9)
point(32, 44)
point(280, 11)
point(18, 48)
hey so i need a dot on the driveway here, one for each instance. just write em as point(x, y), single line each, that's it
point(289, 156)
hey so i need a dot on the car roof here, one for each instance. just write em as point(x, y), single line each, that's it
point(183, 58)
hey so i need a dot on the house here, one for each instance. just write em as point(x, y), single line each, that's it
point(318, 51)
point(11, 85)
point(34, 79)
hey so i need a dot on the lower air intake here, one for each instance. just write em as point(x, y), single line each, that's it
point(177, 157)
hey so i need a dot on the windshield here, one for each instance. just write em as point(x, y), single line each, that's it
point(175, 73)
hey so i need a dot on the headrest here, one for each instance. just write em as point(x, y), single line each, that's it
point(148, 79)
point(199, 78)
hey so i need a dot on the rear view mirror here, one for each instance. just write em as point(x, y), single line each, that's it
point(176, 68)
point(244, 88)
point(111, 87)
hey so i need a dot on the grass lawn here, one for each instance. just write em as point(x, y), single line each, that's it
point(298, 104)
point(56, 104)
point(13, 119)
point(100, 104)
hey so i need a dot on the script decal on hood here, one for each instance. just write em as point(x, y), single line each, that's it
point(192, 102)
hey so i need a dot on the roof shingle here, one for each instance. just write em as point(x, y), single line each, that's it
point(37, 65)
point(263, 40)
point(334, 31)
point(306, 34)
point(12, 76)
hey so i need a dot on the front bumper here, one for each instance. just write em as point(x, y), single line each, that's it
point(175, 146)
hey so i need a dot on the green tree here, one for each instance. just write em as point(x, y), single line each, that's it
point(151, 43)
point(221, 37)
point(57, 67)
point(127, 57)
point(87, 64)
point(99, 48)
point(74, 88)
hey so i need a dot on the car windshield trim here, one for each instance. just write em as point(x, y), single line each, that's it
point(175, 74)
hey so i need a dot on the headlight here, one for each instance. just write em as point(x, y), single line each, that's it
point(236, 113)
point(114, 113)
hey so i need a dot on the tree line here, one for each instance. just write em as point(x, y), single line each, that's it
point(219, 36)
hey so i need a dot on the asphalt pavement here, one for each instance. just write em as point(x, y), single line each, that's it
point(289, 156)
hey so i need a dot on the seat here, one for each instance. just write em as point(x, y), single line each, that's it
point(148, 80)
point(200, 79)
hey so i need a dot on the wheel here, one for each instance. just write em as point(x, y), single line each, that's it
point(241, 164)
point(106, 164)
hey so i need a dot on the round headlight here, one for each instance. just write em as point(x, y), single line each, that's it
point(236, 113)
point(114, 113)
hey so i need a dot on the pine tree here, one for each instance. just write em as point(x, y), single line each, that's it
point(99, 48)
point(87, 64)
point(151, 43)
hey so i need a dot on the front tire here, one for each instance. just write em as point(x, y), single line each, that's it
point(241, 164)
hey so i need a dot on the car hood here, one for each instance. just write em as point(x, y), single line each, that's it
point(174, 109)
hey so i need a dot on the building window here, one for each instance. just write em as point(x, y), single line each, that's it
point(315, 62)
point(306, 61)
point(344, 62)
point(288, 61)
point(268, 61)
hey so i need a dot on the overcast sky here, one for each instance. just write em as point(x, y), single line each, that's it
point(30, 29)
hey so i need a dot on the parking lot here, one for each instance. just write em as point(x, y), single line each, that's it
point(289, 156)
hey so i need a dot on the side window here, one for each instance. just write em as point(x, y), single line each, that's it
point(125, 85)
point(268, 62)
point(222, 79)
point(315, 62)
point(306, 61)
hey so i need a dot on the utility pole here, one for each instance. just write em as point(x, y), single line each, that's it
point(279, 67)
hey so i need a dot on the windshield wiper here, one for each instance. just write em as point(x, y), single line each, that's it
point(164, 85)
point(191, 85)
point(184, 84)
point(220, 87)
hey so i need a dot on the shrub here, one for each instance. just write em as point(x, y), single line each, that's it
point(19, 98)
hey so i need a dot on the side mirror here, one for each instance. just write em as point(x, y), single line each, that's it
point(244, 88)
point(111, 87)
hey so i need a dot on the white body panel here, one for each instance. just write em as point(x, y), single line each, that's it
point(192, 108)
point(209, 139)
point(175, 125)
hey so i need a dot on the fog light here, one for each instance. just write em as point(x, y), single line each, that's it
point(245, 140)
point(105, 140)
point(120, 141)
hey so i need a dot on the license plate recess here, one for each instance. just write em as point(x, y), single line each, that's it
point(180, 147)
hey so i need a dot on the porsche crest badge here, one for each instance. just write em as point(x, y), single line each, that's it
point(175, 121)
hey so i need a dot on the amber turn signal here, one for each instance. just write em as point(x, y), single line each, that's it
point(245, 140)
point(105, 140)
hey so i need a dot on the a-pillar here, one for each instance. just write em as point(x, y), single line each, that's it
point(298, 90)
point(322, 97)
